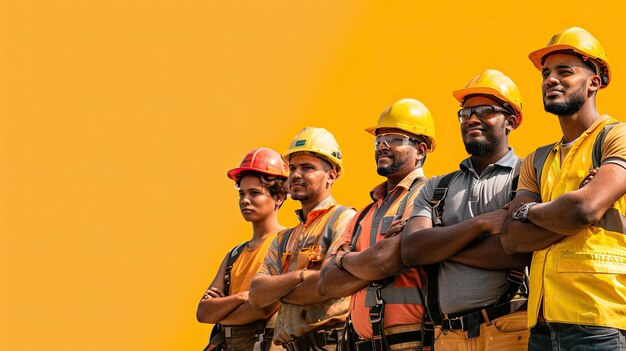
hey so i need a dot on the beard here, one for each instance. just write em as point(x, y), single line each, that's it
point(479, 148)
point(302, 195)
point(394, 167)
point(569, 107)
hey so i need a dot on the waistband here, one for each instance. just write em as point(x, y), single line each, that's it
point(412, 335)
point(316, 339)
point(470, 320)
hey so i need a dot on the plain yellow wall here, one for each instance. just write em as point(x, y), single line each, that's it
point(119, 120)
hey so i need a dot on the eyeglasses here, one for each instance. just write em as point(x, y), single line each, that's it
point(482, 112)
point(392, 139)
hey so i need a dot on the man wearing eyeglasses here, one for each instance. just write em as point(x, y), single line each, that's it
point(454, 228)
point(386, 309)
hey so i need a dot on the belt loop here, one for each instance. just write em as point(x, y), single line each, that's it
point(228, 332)
point(485, 317)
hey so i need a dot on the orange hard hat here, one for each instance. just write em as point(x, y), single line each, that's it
point(262, 160)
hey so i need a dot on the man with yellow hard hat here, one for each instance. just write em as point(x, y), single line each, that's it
point(573, 223)
point(387, 309)
point(290, 272)
point(472, 295)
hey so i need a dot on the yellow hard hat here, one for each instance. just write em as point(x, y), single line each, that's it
point(493, 83)
point(580, 42)
point(410, 116)
point(318, 142)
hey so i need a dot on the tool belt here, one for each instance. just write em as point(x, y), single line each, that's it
point(317, 339)
point(471, 322)
point(405, 336)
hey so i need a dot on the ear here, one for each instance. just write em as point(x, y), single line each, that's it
point(420, 153)
point(332, 176)
point(279, 200)
point(510, 122)
point(595, 82)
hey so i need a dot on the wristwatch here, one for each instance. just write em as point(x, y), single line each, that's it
point(521, 214)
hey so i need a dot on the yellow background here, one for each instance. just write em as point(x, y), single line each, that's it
point(119, 120)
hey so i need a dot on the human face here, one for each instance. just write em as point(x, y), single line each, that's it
point(309, 178)
point(482, 136)
point(255, 202)
point(397, 159)
point(565, 86)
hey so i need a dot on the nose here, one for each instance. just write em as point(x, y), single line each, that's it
point(473, 119)
point(294, 174)
point(244, 200)
point(550, 81)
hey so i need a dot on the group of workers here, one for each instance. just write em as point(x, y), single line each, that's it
point(442, 262)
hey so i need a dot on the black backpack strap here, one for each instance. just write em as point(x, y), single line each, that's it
point(516, 170)
point(438, 200)
point(541, 155)
point(431, 295)
point(597, 145)
point(232, 257)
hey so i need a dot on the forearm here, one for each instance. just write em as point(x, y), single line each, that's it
point(248, 313)
point(520, 237)
point(488, 253)
point(564, 215)
point(336, 282)
point(305, 293)
point(269, 289)
point(212, 310)
point(431, 245)
point(576, 210)
point(377, 262)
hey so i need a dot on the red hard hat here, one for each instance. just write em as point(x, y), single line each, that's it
point(262, 160)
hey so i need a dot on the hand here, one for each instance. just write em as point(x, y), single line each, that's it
point(492, 221)
point(589, 177)
point(212, 293)
point(395, 228)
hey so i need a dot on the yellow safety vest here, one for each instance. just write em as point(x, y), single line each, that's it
point(582, 279)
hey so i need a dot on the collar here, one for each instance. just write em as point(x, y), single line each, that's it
point(508, 160)
point(380, 191)
point(599, 121)
point(318, 210)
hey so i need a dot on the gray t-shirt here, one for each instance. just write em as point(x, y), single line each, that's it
point(461, 287)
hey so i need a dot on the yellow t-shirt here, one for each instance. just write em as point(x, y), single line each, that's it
point(247, 264)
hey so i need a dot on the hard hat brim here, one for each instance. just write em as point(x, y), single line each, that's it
point(536, 57)
point(234, 173)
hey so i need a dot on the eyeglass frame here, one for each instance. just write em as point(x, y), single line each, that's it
point(405, 140)
point(495, 109)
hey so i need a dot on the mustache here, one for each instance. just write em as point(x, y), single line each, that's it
point(380, 154)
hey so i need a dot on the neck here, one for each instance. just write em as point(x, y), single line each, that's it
point(394, 179)
point(269, 226)
point(575, 124)
point(483, 161)
point(309, 205)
